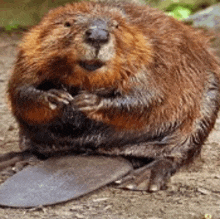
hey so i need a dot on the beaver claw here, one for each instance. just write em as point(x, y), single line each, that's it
point(57, 98)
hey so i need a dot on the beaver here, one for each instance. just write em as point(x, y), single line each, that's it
point(116, 78)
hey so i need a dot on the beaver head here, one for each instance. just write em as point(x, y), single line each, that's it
point(88, 45)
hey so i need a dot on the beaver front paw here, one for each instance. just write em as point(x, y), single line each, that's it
point(54, 99)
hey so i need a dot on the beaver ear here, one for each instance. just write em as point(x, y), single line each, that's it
point(51, 11)
point(115, 24)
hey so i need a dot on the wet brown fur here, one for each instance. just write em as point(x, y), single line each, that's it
point(165, 65)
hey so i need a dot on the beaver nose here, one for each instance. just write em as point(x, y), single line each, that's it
point(97, 33)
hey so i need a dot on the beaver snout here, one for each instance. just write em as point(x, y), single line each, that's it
point(97, 33)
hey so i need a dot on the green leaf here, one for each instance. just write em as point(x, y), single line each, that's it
point(180, 12)
point(11, 26)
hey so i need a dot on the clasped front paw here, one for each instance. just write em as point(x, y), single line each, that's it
point(87, 103)
point(54, 99)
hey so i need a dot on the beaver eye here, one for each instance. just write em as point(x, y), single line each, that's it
point(67, 24)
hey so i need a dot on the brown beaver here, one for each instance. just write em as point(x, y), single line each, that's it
point(120, 79)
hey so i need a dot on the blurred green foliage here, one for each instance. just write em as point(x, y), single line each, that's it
point(24, 13)
point(12, 26)
point(195, 4)
point(180, 11)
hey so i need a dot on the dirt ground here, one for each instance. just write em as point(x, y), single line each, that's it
point(194, 193)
